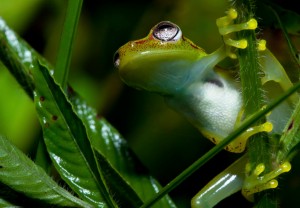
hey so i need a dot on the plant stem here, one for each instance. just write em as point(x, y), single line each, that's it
point(66, 42)
point(252, 93)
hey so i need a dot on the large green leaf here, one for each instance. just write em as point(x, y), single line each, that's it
point(109, 142)
point(120, 165)
point(21, 174)
point(111, 149)
point(66, 140)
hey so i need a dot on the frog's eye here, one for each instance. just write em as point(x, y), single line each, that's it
point(167, 31)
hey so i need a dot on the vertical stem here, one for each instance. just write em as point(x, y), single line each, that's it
point(66, 43)
point(252, 94)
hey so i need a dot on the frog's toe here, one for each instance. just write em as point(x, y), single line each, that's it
point(236, 43)
point(227, 20)
point(261, 45)
point(231, 28)
point(265, 127)
point(256, 182)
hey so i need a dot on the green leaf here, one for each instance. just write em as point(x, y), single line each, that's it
point(116, 161)
point(121, 190)
point(18, 57)
point(21, 174)
point(66, 140)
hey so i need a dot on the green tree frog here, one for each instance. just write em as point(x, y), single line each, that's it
point(167, 63)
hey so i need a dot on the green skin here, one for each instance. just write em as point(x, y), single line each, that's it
point(171, 65)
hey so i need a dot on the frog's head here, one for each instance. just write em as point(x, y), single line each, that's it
point(159, 62)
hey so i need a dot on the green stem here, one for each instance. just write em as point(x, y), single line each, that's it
point(66, 42)
point(252, 93)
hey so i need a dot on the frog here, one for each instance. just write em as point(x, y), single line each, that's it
point(167, 63)
point(191, 82)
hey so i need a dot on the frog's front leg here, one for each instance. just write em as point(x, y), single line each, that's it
point(227, 29)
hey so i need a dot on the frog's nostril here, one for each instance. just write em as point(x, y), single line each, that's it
point(117, 59)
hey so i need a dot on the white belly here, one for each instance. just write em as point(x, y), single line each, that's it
point(210, 106)
point(218, 107)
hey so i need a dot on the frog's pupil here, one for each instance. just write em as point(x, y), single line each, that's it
point(165, 31)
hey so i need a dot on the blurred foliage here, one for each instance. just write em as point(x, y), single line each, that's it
point(19, 13)
point(17, 113)
point(163, 141)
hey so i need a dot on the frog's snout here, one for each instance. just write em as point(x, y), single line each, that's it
point(116, 59)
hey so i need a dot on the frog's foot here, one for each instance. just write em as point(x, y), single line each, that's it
point(239, 144)
point(256, 182)
point(265, 127)
point(227, 27)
